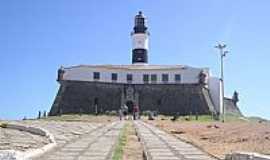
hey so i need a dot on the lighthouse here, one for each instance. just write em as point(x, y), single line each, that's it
point(92, 88)
point(140, 37)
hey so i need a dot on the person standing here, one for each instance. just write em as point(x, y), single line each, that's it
point(120, 114)
point(135, 112)
point(125, 112)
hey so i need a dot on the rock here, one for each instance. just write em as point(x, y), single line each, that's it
point(177, 132)
point(204, 138)
point(213, 126)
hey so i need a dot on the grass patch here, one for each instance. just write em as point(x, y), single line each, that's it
point(80, 118)
point(191, 118)
point(122, 141)
point(229, 117)
point(257, 119)
point(202, 118)
point(68, 117)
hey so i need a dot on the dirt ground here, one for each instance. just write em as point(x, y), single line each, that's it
point(133, 149)
point(219, 138)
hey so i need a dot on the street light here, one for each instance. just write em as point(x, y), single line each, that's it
point(223, 53)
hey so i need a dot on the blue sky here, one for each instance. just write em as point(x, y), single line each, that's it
point(37, 37)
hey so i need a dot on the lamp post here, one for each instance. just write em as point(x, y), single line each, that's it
point(223, 53)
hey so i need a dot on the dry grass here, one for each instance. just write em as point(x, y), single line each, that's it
point(122, 140)
point(133, 149)
point(83, 118)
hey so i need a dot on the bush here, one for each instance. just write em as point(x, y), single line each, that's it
point(111, 113)
point(146, 113)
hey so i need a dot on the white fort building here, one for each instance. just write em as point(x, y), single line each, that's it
point(168, 89)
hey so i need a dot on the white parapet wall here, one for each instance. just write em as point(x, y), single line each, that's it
point(246, 156)
point(214, 89)
point(31, 153)
point(188, 75)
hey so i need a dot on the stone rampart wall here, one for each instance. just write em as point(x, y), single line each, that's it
point(76, 97)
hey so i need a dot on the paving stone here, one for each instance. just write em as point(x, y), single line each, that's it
point(20, 140)
point(165, 158)
point(90, 158)
point(160, 145)
point(97, 144)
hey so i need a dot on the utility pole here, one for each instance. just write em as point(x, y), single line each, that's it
point(223, 53)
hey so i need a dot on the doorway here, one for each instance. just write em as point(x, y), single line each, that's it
point(130, 106)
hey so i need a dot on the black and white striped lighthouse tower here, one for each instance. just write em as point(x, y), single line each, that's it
point(140, 37)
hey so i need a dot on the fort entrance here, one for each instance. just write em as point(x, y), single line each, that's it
point(130, 105)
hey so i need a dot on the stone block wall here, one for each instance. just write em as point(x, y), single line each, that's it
point(81, 97)
point(170, 99)
point(231, 108)
point(78, 96)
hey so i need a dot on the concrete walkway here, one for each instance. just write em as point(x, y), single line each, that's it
point(159, 145)
point(96, 145)
point(62, 131)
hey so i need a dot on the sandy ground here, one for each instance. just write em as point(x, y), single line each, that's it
point(218, 138)
point(133, 149)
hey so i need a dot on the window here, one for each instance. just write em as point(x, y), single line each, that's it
point(129, 77)
point(145, 78)
point(114, 76)
point(153, 78)
point(177, 78)
point(96, 75)
point(165, 78)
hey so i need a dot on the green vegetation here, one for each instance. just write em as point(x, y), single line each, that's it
point(69, 117)
point(199, 118)
point(228, 118)
point(235, 118)
point(122, 140)
point(203, 118)
point(257, 119)
point(77, 117)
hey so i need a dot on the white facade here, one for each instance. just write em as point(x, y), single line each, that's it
point(215, 92)
point(188, 75)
